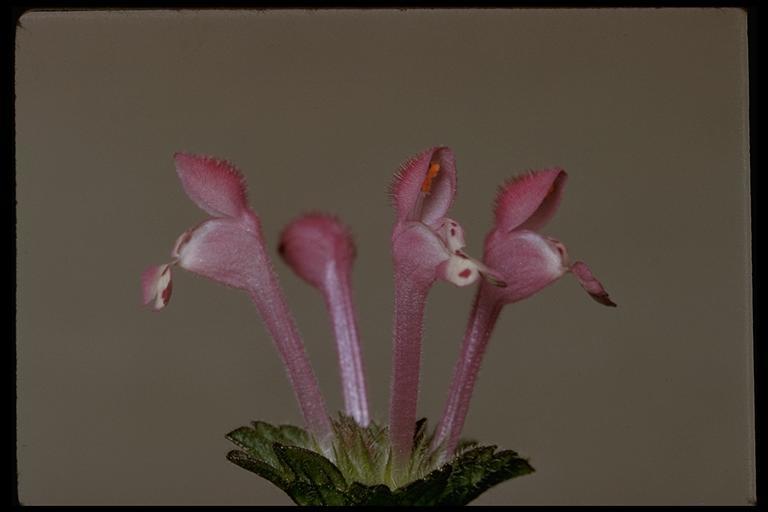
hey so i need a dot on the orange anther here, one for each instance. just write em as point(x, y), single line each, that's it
point(434, 169)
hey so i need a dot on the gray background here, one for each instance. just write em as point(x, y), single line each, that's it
point(645, 404)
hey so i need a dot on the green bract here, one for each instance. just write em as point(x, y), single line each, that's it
point(361, 472)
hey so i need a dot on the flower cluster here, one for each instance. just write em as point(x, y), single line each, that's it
point(427, 246)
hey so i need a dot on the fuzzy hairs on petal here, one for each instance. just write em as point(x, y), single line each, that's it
point(530, 200)
point(425, 185)
point(214, 185)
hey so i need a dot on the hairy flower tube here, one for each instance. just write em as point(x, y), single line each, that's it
point(354, 460)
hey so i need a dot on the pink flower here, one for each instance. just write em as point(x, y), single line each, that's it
point(229, 249)
point(426, 246)
point(526, 258)
point(320, 250)
point(425, 242)
point(528, 262)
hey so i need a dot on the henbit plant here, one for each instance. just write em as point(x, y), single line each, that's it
point(352, 460)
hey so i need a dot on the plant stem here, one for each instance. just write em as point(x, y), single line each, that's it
point(485, 312)
point(338, 299)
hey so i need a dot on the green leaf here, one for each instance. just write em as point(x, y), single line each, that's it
point(289, 435)
point(361, 471)
point(479, 469)
point(317, 480)
point(303, 493)
point(504, 466)
point(259, 467)
point(359, 494)
point(292, 435)
point(310, 466)
point(426, 491)
point(254, 444)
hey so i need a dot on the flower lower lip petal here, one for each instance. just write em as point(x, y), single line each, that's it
point(590, 283)
point(157, 286)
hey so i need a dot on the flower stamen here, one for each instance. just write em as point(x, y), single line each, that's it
point(434, 169)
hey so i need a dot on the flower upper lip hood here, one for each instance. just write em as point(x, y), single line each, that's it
point(424, 187)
